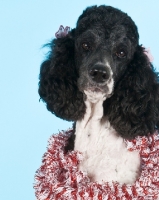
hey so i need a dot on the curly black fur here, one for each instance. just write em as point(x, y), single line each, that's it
point(58, 81)
point(133, 108)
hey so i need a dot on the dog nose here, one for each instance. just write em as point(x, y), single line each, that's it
point(99, 73)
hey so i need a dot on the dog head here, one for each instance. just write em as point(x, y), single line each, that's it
point(102, 54)
point(105, 42)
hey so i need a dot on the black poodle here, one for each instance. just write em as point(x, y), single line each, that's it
point(101, 61)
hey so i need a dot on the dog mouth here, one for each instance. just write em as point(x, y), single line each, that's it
point(95, 89)
point(94, 94)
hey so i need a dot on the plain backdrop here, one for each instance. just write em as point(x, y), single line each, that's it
point(25, 123)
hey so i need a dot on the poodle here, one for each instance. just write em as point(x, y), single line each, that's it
point(99, 77)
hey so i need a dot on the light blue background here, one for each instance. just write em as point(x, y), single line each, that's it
point(25, 124)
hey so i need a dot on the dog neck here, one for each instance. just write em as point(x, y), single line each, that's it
point(105, 156)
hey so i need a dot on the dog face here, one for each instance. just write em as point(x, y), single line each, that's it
point(103, 52)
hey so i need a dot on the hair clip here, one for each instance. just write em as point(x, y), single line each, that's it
point(62, 32)
point(147, 51)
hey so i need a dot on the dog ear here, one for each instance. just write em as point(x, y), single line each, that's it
point(58, 80)
point(134, 108)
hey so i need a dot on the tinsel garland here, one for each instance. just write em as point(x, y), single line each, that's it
point(58, 178)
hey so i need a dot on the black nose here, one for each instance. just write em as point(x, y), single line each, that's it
point(99, 73)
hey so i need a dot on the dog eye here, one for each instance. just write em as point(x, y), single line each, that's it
point(86, 46)
point(121, 54)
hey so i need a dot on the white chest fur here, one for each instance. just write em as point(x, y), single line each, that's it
point(106, 157)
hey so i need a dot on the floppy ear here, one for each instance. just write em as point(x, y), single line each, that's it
point(134, 108)
point(58, 80)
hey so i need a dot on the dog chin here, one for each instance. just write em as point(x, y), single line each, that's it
point(94, 94)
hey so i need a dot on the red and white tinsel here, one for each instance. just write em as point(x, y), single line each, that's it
point(59, 178)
